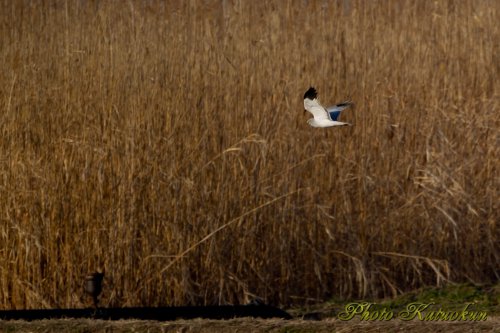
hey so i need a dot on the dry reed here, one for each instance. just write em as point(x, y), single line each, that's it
point(166, 143)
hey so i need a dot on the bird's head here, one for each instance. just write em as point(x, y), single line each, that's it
point(312, 122)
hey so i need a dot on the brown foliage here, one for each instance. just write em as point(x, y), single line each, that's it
point(167, 144)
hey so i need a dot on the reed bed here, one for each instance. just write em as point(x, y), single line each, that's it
point(166, 143)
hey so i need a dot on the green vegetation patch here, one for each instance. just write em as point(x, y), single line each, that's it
point(452, 297)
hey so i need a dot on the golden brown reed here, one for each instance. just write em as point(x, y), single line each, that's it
point(167, 144)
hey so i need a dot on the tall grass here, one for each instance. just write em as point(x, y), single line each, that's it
point(166, 143)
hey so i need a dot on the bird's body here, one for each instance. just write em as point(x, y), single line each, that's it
point(323, 117)
point(93, 286)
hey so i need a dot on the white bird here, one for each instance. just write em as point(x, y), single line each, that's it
point(323, 117)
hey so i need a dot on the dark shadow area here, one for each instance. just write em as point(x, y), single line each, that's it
point(159, 313)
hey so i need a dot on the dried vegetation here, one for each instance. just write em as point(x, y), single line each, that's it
point(166, 143)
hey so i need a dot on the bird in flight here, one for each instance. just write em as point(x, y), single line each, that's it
point(323, 117)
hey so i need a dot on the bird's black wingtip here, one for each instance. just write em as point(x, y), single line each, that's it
point(311, 93)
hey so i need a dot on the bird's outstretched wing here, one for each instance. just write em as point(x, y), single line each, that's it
point(312, 105)
point(335, 110)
